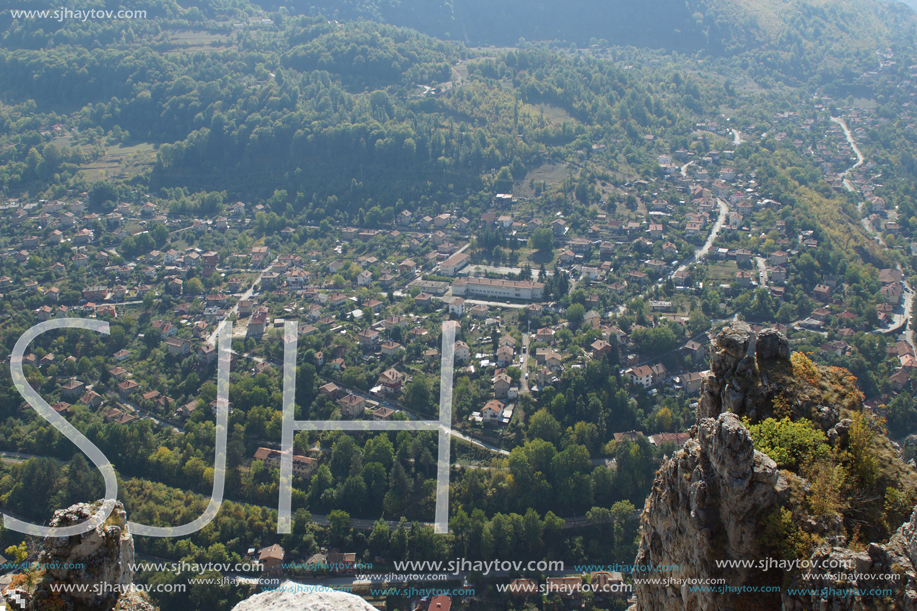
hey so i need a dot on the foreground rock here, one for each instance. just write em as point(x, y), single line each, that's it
point(104, 555)
point(705, 506)
point(296, 597)
point(868, 571)
point(718, 499)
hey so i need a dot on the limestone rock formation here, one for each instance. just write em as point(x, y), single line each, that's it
point(104, 554)
point(718, 499)
point(732, 372)
point(705, 506)
point(295, 597)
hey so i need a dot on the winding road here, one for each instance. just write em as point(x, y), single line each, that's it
point(870, 230)
point(908, 295)
point(701, 252)
point(736, 137)
point(856, 150)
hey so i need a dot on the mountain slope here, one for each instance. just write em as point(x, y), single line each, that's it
point(715, 26)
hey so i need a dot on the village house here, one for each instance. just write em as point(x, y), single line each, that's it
point(178, 346)
point(457, 306)
point(303, 466)
point(462, 351)
point(207, 353)
point(504, 356)
point(492, 411)
point(271, 558)
point(127, 388)
point(600, 348)
point(391, 381)
point(352, 406)
point(368, 338)
point(502, 384)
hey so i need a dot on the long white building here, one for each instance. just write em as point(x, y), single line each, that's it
point(498, 289)
point(453, 264)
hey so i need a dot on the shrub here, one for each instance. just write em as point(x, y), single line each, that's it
point(804, 368)
point(861, 456)
point(780, 534)
point(826, 478)
point(790, 444)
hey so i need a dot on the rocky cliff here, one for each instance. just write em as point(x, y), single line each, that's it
point(101, 579)
point(296, 597)
point(719, 500)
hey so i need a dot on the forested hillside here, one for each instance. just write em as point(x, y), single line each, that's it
point(714, 26)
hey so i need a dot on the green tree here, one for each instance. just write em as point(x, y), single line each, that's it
point(543, 241)
point(697, 321)
point(160, 234)
point(575, 315)
point(339, 527)
point(790, 444)
point(543, 425)
point(194, 287)
point(417, 395)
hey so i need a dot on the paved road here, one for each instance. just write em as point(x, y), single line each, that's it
point(736, 137)
point(17, 457)
point(762, 270)
point(526, 338)
point(908, 309)
point(235, 309)
point(870, 230)
point(498, 304)
point(701, 252)
point(853, 145)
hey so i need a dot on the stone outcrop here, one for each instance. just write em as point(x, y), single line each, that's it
point(705, 506)
point(717, 498)
point(732, 373)
point(748, 372)
point(296, 597)
point(104, 552)
point(864, 571)
point(97, 562)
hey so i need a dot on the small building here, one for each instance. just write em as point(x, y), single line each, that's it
point(303, 466)
point(505, 355)
point(692, 382)
point(391, 381)
point(440, 602)
point(457, 306)
point(178, 346)
point(600, 348)
point(352, 406)
point(72, 389)
point(492, 411)
point(271, 558)
point(462, 351)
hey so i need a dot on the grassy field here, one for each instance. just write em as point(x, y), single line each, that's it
point(121, 162)
point(550, 173)
point(722, 271)
point(192, 40)
point(554, 114)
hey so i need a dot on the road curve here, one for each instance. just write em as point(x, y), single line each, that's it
point(701, 252)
